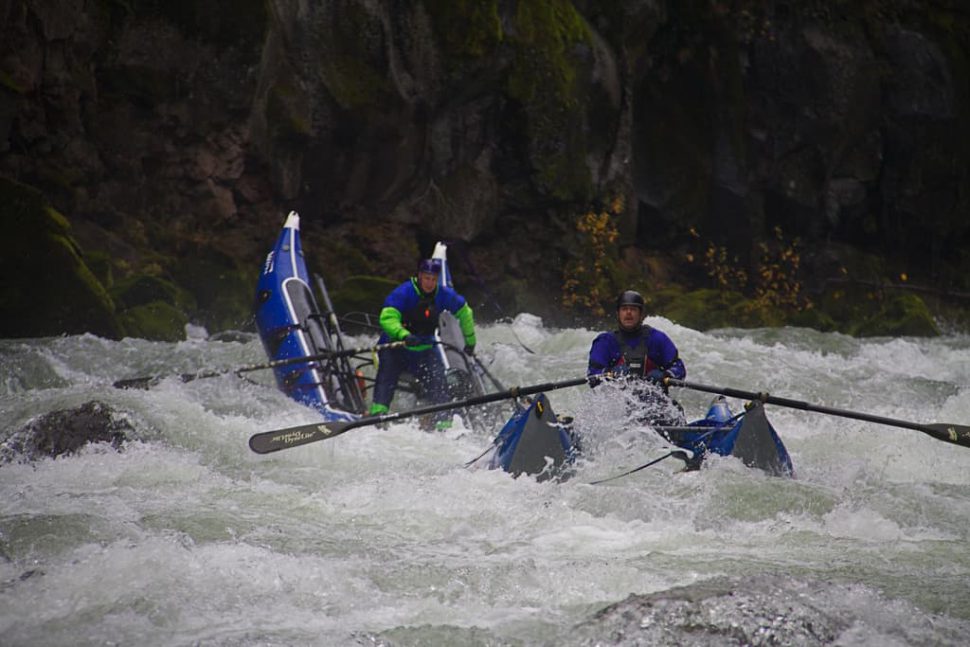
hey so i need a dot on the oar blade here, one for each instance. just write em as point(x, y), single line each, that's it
point(956, 434)
point(268, 442)
point(948, 433)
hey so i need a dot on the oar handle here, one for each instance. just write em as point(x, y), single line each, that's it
point(950, 433)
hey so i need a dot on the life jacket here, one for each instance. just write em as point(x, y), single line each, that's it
point(635, 359)
point(422, 318)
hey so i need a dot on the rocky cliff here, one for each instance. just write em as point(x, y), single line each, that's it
point(801, 162)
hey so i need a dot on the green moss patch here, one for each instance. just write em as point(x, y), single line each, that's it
point(467, 29)
point(46, 287)
point(158, 321)
point(222, 294)
point(362, 294)
point(141, 289)
point(905, 314)
point(549, 78)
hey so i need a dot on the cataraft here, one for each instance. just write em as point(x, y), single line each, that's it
point(747, 436)
point(312, 366)
point(291, 327)
point(534, 441)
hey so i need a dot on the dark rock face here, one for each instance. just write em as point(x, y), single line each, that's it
point(61, 433)
point(168, 132)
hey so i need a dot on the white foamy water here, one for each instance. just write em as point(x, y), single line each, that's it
point(384, 537)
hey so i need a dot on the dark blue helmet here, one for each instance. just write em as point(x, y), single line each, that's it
point(630, 298)
point(430, 266)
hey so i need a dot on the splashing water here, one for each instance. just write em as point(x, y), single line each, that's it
point(381, 536)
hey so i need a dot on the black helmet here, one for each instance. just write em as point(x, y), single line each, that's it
point(630, 298)
point(430, 265)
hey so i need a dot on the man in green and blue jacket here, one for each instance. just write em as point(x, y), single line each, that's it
point(410, 314)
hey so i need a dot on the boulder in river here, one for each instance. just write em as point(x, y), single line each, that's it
point(64, 432)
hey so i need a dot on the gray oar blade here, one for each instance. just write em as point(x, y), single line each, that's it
point(956, 434)
point(273, 441)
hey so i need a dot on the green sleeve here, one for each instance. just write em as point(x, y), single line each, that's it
point(466, 320)
point(390, 321)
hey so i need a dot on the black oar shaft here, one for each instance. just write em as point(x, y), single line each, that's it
point(514, 392)
point(635, 469)
point(955, 434)
point(272, 441)
point(145, 382)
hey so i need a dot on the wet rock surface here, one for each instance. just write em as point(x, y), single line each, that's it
point(756, 611)
point(64, 432)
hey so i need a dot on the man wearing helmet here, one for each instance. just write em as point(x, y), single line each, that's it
point(410, 314)
point(635, 351)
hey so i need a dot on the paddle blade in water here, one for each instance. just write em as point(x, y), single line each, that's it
point(273, 441)
point(956, 434)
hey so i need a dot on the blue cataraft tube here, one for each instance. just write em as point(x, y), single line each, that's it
point(534, 441)
point(748, 436)
point(290, 324)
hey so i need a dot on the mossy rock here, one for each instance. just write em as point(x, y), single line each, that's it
point(902, 315)
point(549, 78)
point(466, 29)
point(157, 321)
point(46, 287)
point(701, 309)
point(102, 266)
point(846, 302)
point(812, 318)
point(142, 289)
point(754, 314)
point(222, 293)
point(362, 294)
point(707, 309)
point(864, 311)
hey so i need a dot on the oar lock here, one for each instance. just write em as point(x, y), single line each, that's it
point(760, 396)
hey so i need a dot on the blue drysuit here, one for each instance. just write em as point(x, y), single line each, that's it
point(645, 353)
point(409, 311)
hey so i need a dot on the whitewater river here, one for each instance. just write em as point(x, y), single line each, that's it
point(384, 537)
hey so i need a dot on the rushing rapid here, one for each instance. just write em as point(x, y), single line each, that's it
point(384, 536)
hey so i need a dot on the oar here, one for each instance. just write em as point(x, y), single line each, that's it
point(487, 450)
point(947, 432)
point(273, 441)
point(492, 379)
point(145, 382)
point(674, 452)
point(478, 362)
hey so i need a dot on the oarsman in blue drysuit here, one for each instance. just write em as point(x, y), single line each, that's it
point(410, 314)
point(641, 354)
